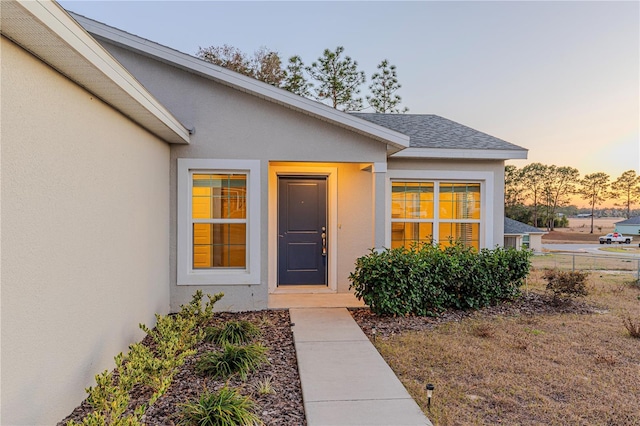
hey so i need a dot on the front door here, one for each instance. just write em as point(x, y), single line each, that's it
point(302, 230)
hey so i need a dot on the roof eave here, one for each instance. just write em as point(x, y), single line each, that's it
point(463, 154)
point(87, 63)
point(395, 141)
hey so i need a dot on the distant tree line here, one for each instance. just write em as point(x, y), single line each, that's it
point(333, 78)
point(536, 193)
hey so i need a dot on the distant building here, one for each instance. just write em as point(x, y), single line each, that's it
point(520, 235)
point(630, 226)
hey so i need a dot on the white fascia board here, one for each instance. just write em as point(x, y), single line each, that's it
point(465, 154)
point(138, 101)
point(395, 140)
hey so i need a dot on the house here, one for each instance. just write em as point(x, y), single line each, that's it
point(630, 226)
point(520, 235)
point(133, 175)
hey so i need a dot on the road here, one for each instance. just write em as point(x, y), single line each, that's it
point(590, 249)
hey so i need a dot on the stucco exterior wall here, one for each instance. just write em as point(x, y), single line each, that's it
point(494, 167)
point(84, 222)
point(230, 124)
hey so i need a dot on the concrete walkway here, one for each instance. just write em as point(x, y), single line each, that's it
point(344, 379)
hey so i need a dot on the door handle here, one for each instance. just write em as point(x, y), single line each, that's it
point(324, 241)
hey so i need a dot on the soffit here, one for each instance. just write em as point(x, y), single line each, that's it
point(49, 33)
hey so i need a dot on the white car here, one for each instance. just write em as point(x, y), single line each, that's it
point(615, 237)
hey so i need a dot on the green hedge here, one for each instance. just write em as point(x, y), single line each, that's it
point(426, 280)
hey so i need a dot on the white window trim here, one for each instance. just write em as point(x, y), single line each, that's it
point(186, 274)
point(486, 180)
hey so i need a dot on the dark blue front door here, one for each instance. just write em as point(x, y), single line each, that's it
point(302, 230)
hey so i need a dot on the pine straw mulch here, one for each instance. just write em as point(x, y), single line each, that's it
point(284, 406)
point(530, 303)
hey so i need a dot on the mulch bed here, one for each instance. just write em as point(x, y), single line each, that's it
point(284, 406)
point(529, 304)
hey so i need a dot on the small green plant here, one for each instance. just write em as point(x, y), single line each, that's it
point(633, 327)
point(565, 284)
point(194, 308)
point(264, 387)
point(233, 359)
point(223, 408)
point(233, 332)
point(174, 337)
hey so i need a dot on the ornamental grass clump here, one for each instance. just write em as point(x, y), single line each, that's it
point(425, 280)
point(233, 359)
point(233, 332)
point(225, 407)
point(633, 327)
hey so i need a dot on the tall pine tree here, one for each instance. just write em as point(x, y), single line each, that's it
point(295, 81)
point(384, 85)
point(338, 80)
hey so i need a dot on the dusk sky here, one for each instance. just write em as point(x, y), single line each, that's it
point(561, 79)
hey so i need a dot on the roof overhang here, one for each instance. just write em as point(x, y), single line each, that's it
point(46, 30)
point(462, 154)
point(395, 141)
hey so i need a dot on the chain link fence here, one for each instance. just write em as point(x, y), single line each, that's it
point(590, 262)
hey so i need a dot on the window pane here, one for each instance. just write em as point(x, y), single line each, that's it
point(412, 200)
point(219, 196)
point(403, 234)
point(459, 200)
point(220, 245)
point(467, 233)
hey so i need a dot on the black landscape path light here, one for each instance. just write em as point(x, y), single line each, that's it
point(430, 389)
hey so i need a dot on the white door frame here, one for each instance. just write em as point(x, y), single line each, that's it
point(332, 218)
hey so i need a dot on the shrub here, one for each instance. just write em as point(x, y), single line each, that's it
point(234, 332)
point(223, 408)
point(234, 359)
point(566, 284)
point(633, 327)
point(174, 337)
point(426, 280)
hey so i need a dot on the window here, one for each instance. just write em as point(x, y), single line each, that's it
point(435, 211)
point(218, 221)
point(411, 213)
point(219, 214)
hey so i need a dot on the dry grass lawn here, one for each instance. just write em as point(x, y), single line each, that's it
point(562, 369)
point(601, 225)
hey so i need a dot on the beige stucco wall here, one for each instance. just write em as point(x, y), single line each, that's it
point(230, 124)
point(84, 222)
point(495, 167)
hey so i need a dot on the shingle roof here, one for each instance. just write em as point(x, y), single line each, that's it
point(432, 131)
point(630, 221)
point(514, 227)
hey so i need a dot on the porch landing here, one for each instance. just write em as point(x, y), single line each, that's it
point(314, 300)
point(344, 379)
